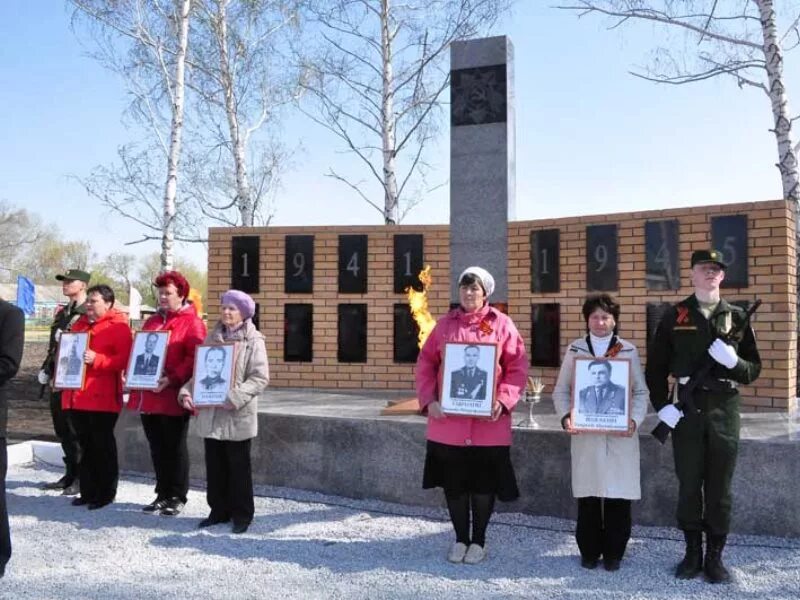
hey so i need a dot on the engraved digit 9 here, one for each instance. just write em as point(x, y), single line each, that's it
point(601, 256)
point(299, 263)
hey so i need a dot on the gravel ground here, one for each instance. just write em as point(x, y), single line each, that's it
point(306, 545)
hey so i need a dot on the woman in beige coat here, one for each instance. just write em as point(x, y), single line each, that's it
point(605, 467)
point(228, 430)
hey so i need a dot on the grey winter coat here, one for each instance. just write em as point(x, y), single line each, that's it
point(251, 377)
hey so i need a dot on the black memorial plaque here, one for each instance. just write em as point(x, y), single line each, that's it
point(655, 310)
point(478, 95)
point(729, 236)
point(256, 313)
point(661, 251)
point(545, 275)
point(407, 262)
point(602, 270)
point(406, 335)
point(298, 332)
point(546, 335)
point(299, 257)
point(352, 264)
point(245, 263)
point(352, 336)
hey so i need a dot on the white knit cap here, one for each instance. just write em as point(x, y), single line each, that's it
point(485, 277)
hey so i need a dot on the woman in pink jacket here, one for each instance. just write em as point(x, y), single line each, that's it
point(469, 457)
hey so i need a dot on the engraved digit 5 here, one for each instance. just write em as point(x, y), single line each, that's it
point(729, 249)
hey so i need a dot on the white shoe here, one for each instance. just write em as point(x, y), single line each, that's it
point(457, 552)
point(474, 555)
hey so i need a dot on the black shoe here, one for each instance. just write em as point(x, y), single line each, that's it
point(79, 501)
point(240, 527)
point(155, 505)
point(173, 507)
point(73, 489)
point(713, 568)
point(611, 564)
point(100, 504)
point(692, 563)
point(62, 483)
point(589, 563)
point(212, 520)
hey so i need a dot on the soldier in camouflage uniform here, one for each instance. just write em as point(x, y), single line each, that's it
point(74, 283)
point(705, 442)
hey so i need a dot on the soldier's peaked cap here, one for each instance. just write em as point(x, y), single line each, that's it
point(708, 256)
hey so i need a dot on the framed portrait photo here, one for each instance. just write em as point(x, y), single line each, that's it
point(468, 379)
point(601, 395)
point(213, 373)
point(70, 368)
point(146, 362)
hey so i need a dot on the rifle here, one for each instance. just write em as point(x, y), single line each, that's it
point(686, 392)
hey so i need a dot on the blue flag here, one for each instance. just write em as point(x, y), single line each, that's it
point(26, 294)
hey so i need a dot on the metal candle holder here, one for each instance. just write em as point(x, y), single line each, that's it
point(532, 397)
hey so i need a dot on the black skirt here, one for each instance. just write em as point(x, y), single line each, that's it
point(470, 469)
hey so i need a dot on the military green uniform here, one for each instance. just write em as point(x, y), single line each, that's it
point(62, 425)
point(705, 443)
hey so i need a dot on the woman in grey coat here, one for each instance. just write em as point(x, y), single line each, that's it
point(227, 430)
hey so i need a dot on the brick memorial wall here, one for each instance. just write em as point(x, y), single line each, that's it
point(332, 307)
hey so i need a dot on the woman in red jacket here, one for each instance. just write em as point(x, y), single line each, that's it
point(469, 457)
point(165, 422)
point(94, 409)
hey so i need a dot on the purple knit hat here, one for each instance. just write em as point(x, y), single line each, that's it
point(240, 300)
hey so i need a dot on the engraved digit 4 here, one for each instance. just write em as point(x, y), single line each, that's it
point(352, 265)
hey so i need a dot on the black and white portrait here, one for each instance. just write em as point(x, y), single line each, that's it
point(147, 360)
point(213, 372)
point(601, 394)
point(70, 367)
point(468, 376)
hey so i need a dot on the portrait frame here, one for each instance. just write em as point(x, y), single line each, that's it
point(144, 375)
point(606, 411)
point(70, 369)
point(464, 392)
point(211, 387)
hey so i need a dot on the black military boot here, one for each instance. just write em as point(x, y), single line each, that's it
point(692, 562)
point(714, 569)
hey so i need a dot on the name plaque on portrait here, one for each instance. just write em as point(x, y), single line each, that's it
point(407, 262)
point(602, 269)
point(729, 236)
point(352, 264)
point(545, 274)
point(601, 395)
point(661, 251)
point(406, 335)
point(352, 333)
point(545, 349)
point(468, 379)
point(245, 263)
point(213, 374)
point(298, 332)
point(298, 276)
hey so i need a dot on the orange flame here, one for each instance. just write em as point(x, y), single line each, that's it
point(418, 305)
point(197, 300)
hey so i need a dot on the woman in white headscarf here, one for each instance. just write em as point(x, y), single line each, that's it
point(469, 457)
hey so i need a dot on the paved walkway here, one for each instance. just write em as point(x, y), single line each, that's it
point(305, 545)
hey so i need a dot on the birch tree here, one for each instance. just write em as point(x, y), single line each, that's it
point(376, 82)
point(146, 42)
point(740, 40)
point(243, 80)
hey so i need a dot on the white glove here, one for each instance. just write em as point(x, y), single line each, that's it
point(57, 335)
point(723, 354)
point(42, 377)
point(670, 415)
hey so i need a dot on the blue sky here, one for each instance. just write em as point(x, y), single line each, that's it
point(590, 137)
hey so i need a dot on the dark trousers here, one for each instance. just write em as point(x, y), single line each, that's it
point(705, 446)
point(229, 478)
point(604, 527)
point(166, 435)
point(5, 532)
point(98, 467)
point(66, 434)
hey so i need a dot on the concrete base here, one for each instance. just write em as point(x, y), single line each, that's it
point(338, 443)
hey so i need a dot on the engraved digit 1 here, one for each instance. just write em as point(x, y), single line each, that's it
point(407, 256)
point(544, 262)
point(244, 265)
